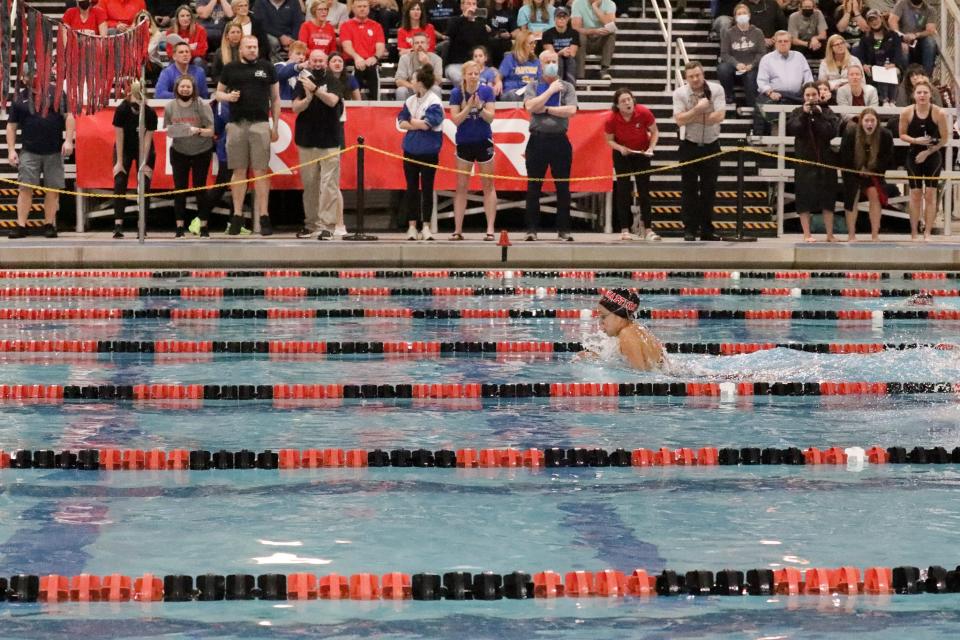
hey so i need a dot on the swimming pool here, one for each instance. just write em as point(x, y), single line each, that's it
point(432, 520)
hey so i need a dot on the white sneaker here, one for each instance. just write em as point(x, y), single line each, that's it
point(339, 231)
point(412, 234)
point(651, 236)
point(425, 234)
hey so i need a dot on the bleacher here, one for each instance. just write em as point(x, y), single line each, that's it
point(638, 64)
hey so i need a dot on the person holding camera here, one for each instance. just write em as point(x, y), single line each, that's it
point(813, 126)
point(923, 126)
point(466, 32)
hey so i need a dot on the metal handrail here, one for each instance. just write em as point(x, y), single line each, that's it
point(666, 29)
point(948, 33)
point(680, 59)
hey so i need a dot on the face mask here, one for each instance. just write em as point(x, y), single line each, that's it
point(551, 69)
point(84, 5)
point(743, 19)
point(807, 12)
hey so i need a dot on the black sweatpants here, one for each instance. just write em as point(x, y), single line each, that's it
point(184, 167)
point(120, 181)
point(419, 193)
point(698, 186)
point(551, 151)
point(623, 190)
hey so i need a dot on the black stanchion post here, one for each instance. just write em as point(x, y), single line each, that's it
point(359, 235)
point(740, 237)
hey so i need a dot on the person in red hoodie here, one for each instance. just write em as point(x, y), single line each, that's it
point(120, 13)
point(186, 26)
point(86, 19)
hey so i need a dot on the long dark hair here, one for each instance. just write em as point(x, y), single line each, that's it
point(425, 76)
point(405, 22)
point(622, 91)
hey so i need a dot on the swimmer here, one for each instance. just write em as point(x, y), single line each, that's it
point(640, 348)
point(922, 299)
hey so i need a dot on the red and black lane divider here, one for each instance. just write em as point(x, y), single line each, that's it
point(540, 292)
point(112, 459)
point(518, 585)
point(197, 393)
point(854, 315)
point(426, 348)
point(498, 274)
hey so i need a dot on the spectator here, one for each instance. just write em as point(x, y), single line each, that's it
point(414, 22)
point(808, 29)
point(252, 25)
point(488, 75)
point(916, 21)
point(339, 13)
point(848, 19)
point(409, 65)
point(837, 60)
point(472, 107)
point(316, 31)
point(741, 48)
point(130, 149)
point(722, 12)
point(767, 16)
point(923, 126)
point(363, 41)
point(221, 117)
point(502, 20)
point(698, 106)
point(189, 123)
point(155, 61)
point(163, 11)
point(551, 102)
point(465, 32)
point(85, 18)
point(911, 77)
point(595, 20)
point(386, 12)
point(632, 133)
point(318, 102)
point(182, 56)
point(335, 69)
point(229, 49)
point(867, 147)
point(856, 93)
point(813, 126)
point(185, 26)
point(565, 40)
point(781, 74)
point(880, 47)
point(281, 20)
point(121, 13)
point(213, 15)
point(536, 15)
point(287, 71)
point(45, 142)
point(440, 13)
point(421, 117)
point(827, 96)
point(250, 86)
point(520, 67)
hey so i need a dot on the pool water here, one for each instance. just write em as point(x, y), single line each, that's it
point(412, 520)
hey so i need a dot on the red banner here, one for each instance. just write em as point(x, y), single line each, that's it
point(377, 124)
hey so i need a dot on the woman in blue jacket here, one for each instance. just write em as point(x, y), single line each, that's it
point(421, 117)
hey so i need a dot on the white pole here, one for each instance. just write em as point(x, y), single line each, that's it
point(141, 161)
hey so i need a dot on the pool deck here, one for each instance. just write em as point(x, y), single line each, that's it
point(99, 250)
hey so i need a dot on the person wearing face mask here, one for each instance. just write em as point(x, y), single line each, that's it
point(565, 40)
point(551, 102)
point(182, 55)
point(808, 30)
point(813, 126)
point(741, 48)
point(129, 149)
point(87, 19)
point(866, 147)
point(189, 123)
point(782, 73)
point(916, 20)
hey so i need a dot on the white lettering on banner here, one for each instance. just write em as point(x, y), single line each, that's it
point(277, 165)
point(512, 151)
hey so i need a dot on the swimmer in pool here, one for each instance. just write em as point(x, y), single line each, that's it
point(922, 299)
point(640, 348)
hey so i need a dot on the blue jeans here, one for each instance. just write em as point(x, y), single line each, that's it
point(761, 127)
point(925, 53)
point(727, 75)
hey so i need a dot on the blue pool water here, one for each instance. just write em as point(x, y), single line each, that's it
point(433, 520)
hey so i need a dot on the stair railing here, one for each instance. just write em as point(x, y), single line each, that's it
point(947, 36)
point(665, 20)
point(680, 61)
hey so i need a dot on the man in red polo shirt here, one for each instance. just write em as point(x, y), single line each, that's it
point(86, 19)
point(363, 42)
point(120, 13)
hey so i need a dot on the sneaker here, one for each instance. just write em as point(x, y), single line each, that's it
point(266, 228)
point(304, 233)
point(49, 231)
point(339, 231)
point(412, 234)
point(565, 237)
point(236, 225)
point(425, 234)
point(325, 235)
point(530, 237)
point(179, 233)
point(605, 74)
point(117, 232)
point(17, 232)
point(651, 236)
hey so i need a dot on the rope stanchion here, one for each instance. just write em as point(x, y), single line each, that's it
point(458, 585)
point(359, 235)
point(114, 459)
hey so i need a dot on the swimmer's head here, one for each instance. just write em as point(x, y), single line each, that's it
point(616, 310)
point(921, 300)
